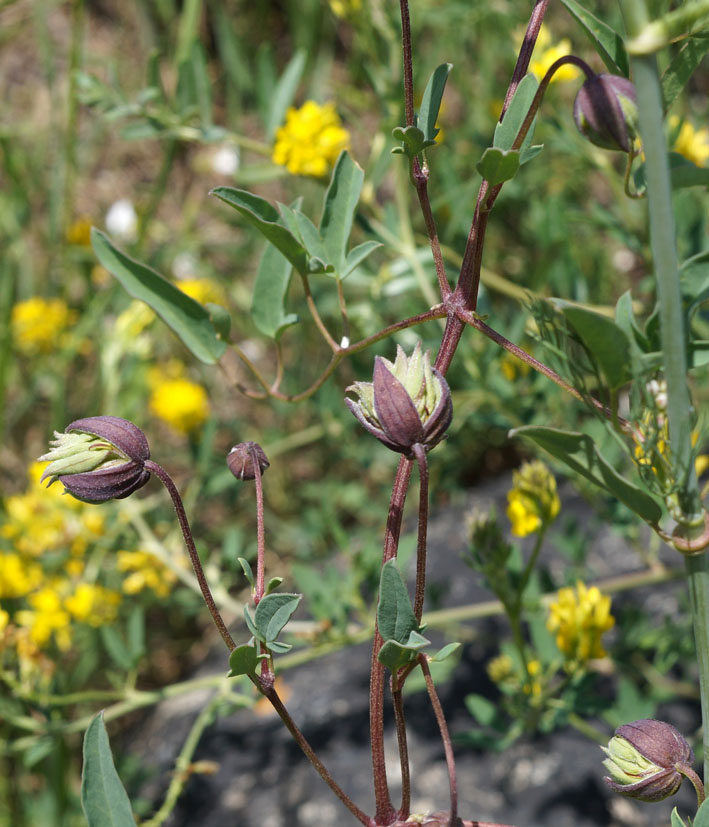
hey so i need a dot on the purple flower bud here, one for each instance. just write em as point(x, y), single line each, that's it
point(98, 458)
point(606, 112)
point(647, 760)
point(407, 403)
point(241, 460)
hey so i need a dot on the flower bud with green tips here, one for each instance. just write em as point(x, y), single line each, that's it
point(647, 760)
point(407, 403)
point(240, 460)
point(98, 458)
point(606, 112)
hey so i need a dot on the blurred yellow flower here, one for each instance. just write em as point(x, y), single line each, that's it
point(202, 290)
point(345, 9)
point(182, 404)
point(46, 619)
point(500, 668)
point(144, 571)
point(310, 140)
point(692, 143)
point(18, 576)
point(93, 604)
point(545, 53)
point(533, 687)
point(133, 320)
point(38, 324)
point(579, 617)
point(532, 501)
point(80, 232)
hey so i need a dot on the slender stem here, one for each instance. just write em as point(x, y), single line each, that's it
point(277, 703)
point(525, 53)
point(182, 763)
point(260, 530)
point(688, 772)
point(408, 64)
point(166, 480)
point(384, 810)
point(420, 590)
point(445, 737)
point(400, 722)
point(530, 565)
point(420, 176)
point(697, 568)
point(324, 332)
point(345, 339)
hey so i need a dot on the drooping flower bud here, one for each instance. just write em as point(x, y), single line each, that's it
point(647, 760)
point(408, 402)
point(606, 112)
point(240, 460)
point(98, 458)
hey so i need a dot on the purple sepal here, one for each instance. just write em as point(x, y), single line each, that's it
point(112, 483)
point(121, 433)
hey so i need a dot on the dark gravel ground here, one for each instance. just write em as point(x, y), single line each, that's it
point(264, 781)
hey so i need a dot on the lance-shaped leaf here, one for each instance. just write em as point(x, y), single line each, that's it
point(283, 94)
point(103, 797)
point(579, 452)
point(507, 130)
point(357, 255)
point(431, 101)
point(681, 68)
point(395, 616)
point(268, 304)
point(341, 201)
point(266, 219)
point(606, 41)
point(186, 317)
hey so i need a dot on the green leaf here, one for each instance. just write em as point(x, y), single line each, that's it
point(579, 452)
point(186, 317)
point(625, 319)
point(683, 173)
point(394, 655)
point(701, 819)
point(284, 92)
point(682, 67)
point(431, 101)
point(265, 218)
point(357, 255)
point(244, 660)
point(675, 820)
point(268, 304)
point(606, 41)
point(116, 648)
point(103, 798)
point(483, 710)
point(506, 131)
point(413, 139)
point(248, 571)
point(273, 584)
point(395, 615)
point(341, 201)
point(445, 652)
point(607, 342)
point(272, 614)
point(497, 165)
point(220, 319)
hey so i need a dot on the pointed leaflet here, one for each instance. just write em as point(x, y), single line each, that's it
point(268, 304)
point(431, 101)
point(186, 317)
point(507, 130)
point(357, 255)
point(103, 798)
point(682, 67)
point(579, 452)
point(272, 614)
point(395, 616)
point(607, 42)
point(701, 819)
point(284, 92)
point(265, 218)
point(341, 201)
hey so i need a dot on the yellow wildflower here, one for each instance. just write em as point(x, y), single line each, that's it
point(38, 324)
point(202, 290)
point(144, 572)
point(182, 404)
point(500, 668)
point(47, 619)
point(18, 576)
point(692, 143)
point(532, 500)
point(310, 140)
point(80, 232)
point(579, 617)
point(545, 53)
point(511, 367)
point(533, 687)
point(93, 604)
point(133, 320)
point(345, 9)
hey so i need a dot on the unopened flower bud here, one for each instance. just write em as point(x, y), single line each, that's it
point(241, 460)
point(647, 760)
point(606, 112)
point(98, 458)
point(407, 403)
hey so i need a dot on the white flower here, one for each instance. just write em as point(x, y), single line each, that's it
point(225, 160)
point(121, 220)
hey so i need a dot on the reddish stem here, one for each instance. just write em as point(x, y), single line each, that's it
point(419, 592)
point(260, 530)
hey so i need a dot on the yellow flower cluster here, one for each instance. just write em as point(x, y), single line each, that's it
point(690, 142)
point(579, 617)
point(38, 324)
point(310, 140)
point(345, 9)
point(532, 502)
point(143, 571)
point(42, 524)
point(202, 290)
point(546, 53)
point(79, 232)
point(182, 404)
point(501, 670)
